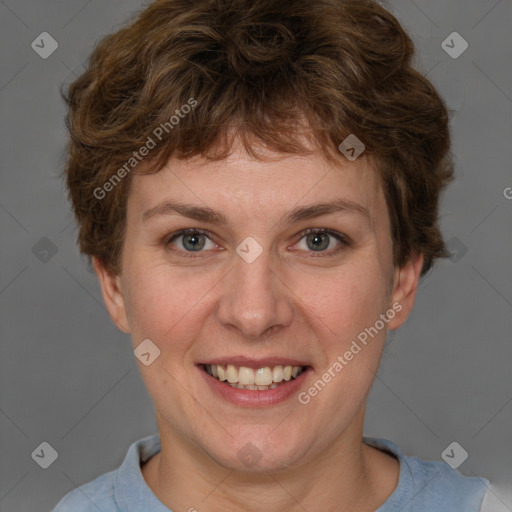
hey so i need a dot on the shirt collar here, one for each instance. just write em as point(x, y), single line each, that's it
point(400, 497)
point(131, 491)
point(133, 494)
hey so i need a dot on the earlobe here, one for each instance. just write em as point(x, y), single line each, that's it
point(112, 295)
point(404, 290)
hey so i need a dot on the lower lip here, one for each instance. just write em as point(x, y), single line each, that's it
point(254, 398)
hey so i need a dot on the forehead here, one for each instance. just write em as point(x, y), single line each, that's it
point(243, 187)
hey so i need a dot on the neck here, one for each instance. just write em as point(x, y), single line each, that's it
point(348, 475)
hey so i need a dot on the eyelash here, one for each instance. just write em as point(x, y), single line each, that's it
point(345, 241)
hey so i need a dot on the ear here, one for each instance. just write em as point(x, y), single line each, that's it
point(112, 295)
point(404, 289)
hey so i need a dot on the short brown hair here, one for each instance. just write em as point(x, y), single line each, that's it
point(257, 68)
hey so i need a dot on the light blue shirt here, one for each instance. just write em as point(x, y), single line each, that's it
point(423, 486)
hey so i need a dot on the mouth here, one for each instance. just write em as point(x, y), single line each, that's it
point(262, 378)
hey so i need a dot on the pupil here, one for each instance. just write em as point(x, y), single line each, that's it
point(316, 237)
point(196, 245)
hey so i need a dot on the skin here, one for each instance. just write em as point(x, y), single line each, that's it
point(284, 303)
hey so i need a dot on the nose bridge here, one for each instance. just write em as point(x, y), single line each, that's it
point(254, 299)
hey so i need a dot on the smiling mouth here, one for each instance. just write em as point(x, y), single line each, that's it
point(260, 379)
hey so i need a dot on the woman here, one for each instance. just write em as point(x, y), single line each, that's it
point(257, 185)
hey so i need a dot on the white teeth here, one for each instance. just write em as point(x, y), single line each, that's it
point(231, 374)
point(220, 371)
point(260, 388)
point(263, 376)
point(278, 374)
point(246, 378)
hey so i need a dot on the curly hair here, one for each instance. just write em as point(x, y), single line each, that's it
point(258, 69)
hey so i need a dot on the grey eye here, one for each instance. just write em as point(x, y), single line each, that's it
point(319, 241)
point(193, 242)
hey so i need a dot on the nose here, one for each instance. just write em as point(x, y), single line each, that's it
point(255, 297)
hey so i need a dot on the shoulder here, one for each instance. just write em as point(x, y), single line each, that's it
point(90, 497)
point(430, 486)
point(118, 490)
point(436, 483)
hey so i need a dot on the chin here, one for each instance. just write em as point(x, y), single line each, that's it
point(261, 452)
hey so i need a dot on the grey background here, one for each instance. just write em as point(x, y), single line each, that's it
point(69, 377)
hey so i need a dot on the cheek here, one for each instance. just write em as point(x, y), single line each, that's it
point(345, 311)
point(347, 300)
point(164, 303)
point(167, 302)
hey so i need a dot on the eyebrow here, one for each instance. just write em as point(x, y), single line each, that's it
point(298, 214)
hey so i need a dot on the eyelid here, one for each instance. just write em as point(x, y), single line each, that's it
point(176, 234)
point(336, 234)
point(344, 240)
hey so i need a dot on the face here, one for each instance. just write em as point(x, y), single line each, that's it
point(257, 291)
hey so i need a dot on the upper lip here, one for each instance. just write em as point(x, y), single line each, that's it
point(254, 362)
